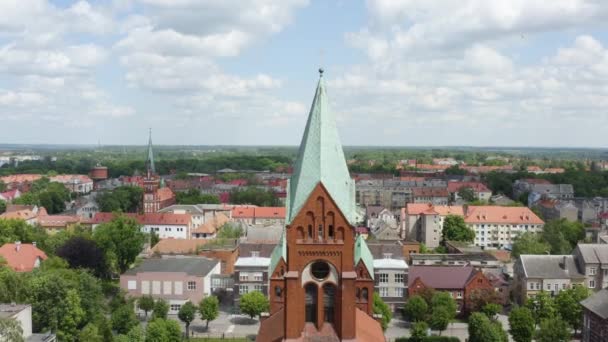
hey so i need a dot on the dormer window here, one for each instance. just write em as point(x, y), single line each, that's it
point(255, 254)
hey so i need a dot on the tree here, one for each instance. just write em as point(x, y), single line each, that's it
point(124, 199)
point(481, 329)
point(194, 196)
point(209, 309)
point(529, 243)
point(121, 240)
point(567, 303)
point(253, 304)
point(553, 329)
point(136, 334)
point(521, 323)
point(81, 252)
point(455, 170)
point(161, 309)
point(90, 333)
point(479, 298)
point(146, 303)
point(415, 309)
point(455, 229)
point(186, 314)
point(444, 299)
point(418, 331)
point(2, 186)
point(491, 310)
point(67, 328)
point(380, 307)
point(123, 319)
point(563, 235)
point(467, 193)
point(440, 318)
point(541, 306)
point(163, 330)
point(2, 206)
point(255, 196)
point(10, 330)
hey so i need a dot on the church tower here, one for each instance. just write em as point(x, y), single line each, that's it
point(321, 273)
point(151, 182)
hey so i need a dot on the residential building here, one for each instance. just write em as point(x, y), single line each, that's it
point(392, 193)
point(480, 190)
point(250, 274)
point(22, 257)
point(327, 272)
point(435, 196)
point(390, 274)
point(553, 209)
point(423, 222)
point(461, 282)
point(9, 196)
point(480, 260)
point(55, 223)
point(86, 207)
point(22, 313)
point(28, 213)
point(540, 188)
point(595, 317)
point(165, 225)
point(210, 228)
point(79, 184)
point(551, 273)
point(592, 261)
point(174, 279)
point(263, 216)
point(496, 226)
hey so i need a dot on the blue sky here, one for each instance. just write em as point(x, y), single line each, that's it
point(243, 72)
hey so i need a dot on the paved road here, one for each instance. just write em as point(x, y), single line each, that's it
point(231, 325)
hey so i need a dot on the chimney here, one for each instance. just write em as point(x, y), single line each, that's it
point(563, 263)
point(34, 243)
point(17, 245)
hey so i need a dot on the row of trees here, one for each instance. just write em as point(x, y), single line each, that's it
point(194, 196)
point(431, 309)
point(254, 195)
point(548, 319)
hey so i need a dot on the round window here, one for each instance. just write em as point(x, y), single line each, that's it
point(320, 270)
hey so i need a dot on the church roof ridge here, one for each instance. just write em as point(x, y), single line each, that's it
point(362, 252)
point(321, 159)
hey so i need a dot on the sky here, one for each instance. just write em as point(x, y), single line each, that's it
point(244, 72)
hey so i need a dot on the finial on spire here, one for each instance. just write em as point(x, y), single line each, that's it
point(321, 72)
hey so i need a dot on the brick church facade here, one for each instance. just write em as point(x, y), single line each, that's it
point(321, 273)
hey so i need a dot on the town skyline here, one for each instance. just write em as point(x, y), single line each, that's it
point(398, 73)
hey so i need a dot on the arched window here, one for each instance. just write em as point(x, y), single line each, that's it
point(320, 234)
point(358, 294)
point(330, 232)
point(364, 294)
point(278, 292)
point(282, 270)
point(310, 231)
point(329, 302)
point(310, 306)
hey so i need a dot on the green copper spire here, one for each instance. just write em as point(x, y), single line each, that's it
point(150, 159)
point(362, 252)
point(321, 159)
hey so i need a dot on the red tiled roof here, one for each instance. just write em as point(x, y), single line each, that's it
point(476, 186)
point(20, 178)
point(71, 179)
point(147, 219)
point(23, 258)
point(441, 278)
point(164, 194)
point(498, 214)
point(9, 195)
point(258, 212)
point(24, 214)
point(211, 226)
point(367, 328)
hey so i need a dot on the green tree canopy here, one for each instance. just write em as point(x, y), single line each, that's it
point(124, 319)
point(482, 329)
point(380, 307)
point(90, 333)
point(186, 314)
point(542, 306)
point(194, 196)
point(10, 330)
point(126, 199)
point(444, 299)
point(161, 309)
point(553, 329)
point(255, 196)
point(455, 229)
point(467, 193)
point(440, 318)
point(521, 323)
point(563, 235)
point(416, 309)
point(567, 303)
point(253, 304)
point(418, 331)
point(121, 240)
point(146, 303)
point(209, 309)
point(529, 243)
point(163, 330)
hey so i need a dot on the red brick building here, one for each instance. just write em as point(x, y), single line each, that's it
point(155, 196)
point(321, 273)
point(462, 283)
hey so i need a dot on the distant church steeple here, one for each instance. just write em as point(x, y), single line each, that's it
point(150, 159)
